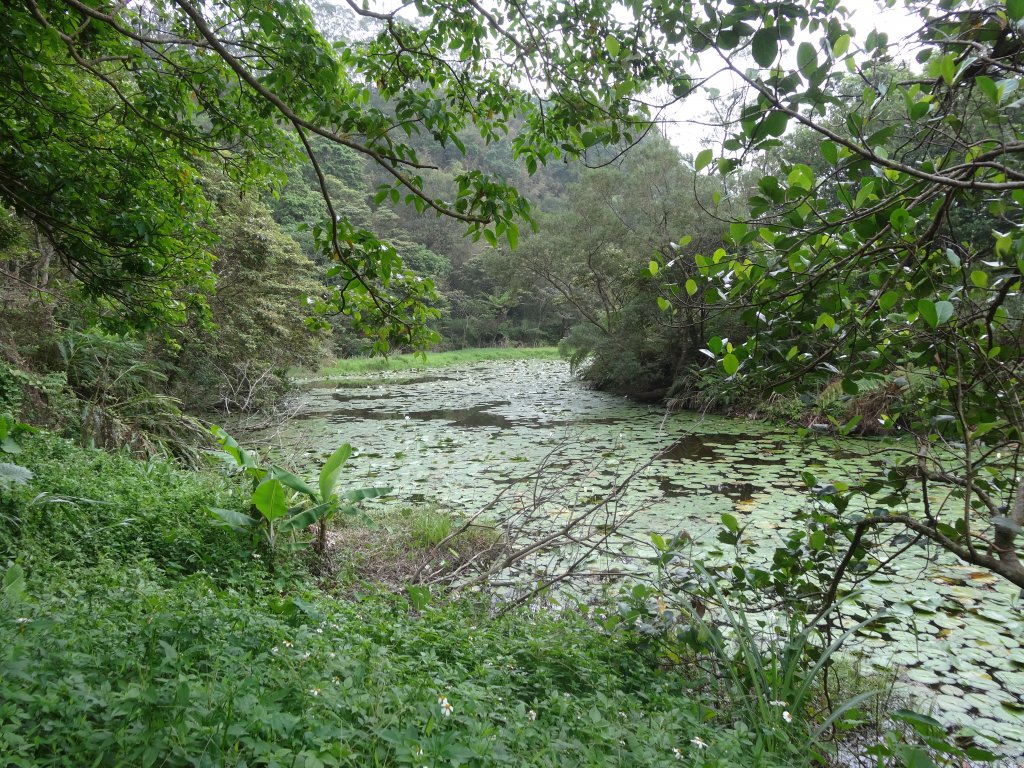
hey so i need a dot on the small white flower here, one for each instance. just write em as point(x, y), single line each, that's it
point(787, 717)
point(531, 715)
point(22, 620)
point(305, 656)
point(777, 703)
point(676, 753)
point(567, 695)
point(319, 630)
point(623, 715)
point(336, 680)
point(332, 654)
point(274, 650)
point(286, 644)
point(698, 742)
point(446, 707)
point(257, 556)
point(314, 691)
point(418, 752)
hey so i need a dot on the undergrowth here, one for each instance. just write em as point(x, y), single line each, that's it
point(136, 632)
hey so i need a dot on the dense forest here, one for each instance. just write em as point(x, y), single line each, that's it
point(201, 206)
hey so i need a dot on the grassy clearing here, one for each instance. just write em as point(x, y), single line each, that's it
point(136, 632)
point(357, 365)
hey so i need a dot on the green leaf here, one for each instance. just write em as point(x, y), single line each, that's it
point(611, 44)
point(927, 309)
point(764, 46)
point(943, 310)
point(307, 517)
point(807, 59)
point(825, 320)
point(512, 234)
point(691, 287)
point(830, 152)
point(730, 522)
point(1015, 9)
point(979, 278)
point(818, 540)
point(916, 719)
point(294, 482)
point(935, 313)
point(988, 87)
point(270, 499)
point(234, 519)
point(888, 300)
point(359, 494)
point(652, 267)
point(663, 304)
point(841, 46)
point(730, 363)
point(420, 599)
point(703, 160)
point(331, 469)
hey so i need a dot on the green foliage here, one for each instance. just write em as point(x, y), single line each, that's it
point(133, 632)
point(86, 507)
point(621, 255)
point(117, 384)
point(258, 308)
point(276, 491)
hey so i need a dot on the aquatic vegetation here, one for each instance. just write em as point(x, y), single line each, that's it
point(462, 440)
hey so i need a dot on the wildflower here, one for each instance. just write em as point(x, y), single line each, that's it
point(286, 644)
point(274, 650)
point(623, 715)
point(677, 753)
point(257, 556)
point(418, 752)
point(314, 691)
point(531, 715)
point(777, 703)
point(787, 717)
point(22, 620)
point(305, 656)
point(319, 630)
point(336, 680)
point(446, 707)
point(331, 655)
point(698, 742)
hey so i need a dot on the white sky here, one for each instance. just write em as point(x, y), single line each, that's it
point(683, 122)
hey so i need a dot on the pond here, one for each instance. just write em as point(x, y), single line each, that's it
point(460, 436)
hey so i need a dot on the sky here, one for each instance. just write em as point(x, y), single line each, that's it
point(683, 124)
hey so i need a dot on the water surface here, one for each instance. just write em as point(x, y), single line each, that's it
point(462, 437)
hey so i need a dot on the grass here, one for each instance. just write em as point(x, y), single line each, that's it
point(403, 540)
point(357, 365)
point(136, 632)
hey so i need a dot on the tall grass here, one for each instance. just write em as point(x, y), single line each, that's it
point(355, 365)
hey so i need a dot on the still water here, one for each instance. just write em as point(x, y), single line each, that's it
point(461, 436)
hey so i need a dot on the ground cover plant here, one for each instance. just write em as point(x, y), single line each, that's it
point(135, 631)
